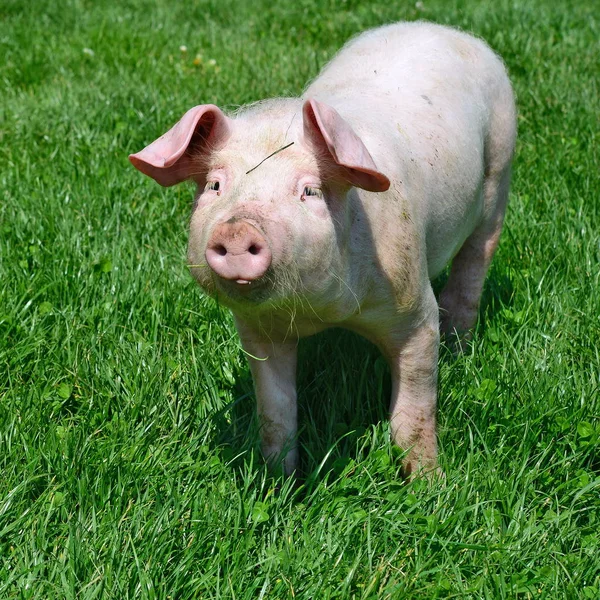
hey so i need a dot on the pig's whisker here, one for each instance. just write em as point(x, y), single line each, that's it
point(345, 283)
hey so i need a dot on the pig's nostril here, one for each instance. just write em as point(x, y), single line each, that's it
point(237, 251)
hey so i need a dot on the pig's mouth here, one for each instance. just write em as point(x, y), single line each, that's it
point(244, 291)
point(240, 291)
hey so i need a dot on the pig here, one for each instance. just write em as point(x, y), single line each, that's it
point(337, 209)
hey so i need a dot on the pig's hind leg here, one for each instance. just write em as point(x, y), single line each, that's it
point(459, 300)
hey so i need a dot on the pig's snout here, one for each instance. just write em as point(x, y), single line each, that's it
point(237, 251)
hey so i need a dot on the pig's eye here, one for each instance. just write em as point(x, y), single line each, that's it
point(212, 185)
point(312, 191)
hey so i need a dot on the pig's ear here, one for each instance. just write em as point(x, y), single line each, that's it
point(174, 156)
point(329, 132)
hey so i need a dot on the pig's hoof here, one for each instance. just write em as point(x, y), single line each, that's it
point(457, 343)
point(456, 338)
point(457, 320)
point(428, 470)
point(433, 477)
point(281, 462)
point(436, 476)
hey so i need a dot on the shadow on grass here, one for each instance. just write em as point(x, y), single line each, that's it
point(344, 388)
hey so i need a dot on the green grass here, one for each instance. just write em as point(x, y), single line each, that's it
point(128, 445)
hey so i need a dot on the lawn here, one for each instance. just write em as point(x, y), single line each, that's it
point(129, 465)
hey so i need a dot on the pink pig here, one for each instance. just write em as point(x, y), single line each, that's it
point(336, 209)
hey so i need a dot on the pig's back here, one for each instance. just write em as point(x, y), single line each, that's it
point(405, 61)
point(423, 98)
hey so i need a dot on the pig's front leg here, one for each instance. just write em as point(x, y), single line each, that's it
point(413, 357)
point(273, 367)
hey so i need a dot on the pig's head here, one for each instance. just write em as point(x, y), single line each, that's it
point(270, 219)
